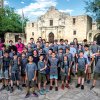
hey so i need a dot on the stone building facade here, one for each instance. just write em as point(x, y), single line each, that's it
point(94, 34)
point(56, 25)
point(14, 37)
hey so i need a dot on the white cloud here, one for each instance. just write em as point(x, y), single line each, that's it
point(22, 2)
point(6, 2)
point(39, 7)
point(67, 11)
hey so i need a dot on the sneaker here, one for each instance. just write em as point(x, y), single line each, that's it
point(19, 87)
point(78, 85)
point(45, 90)
point(27, 95)
point(67, 86)
point(41, 92)
point(2, 88)
point(11, 90)
point(23, 85)
point(92, 87)
point(35, 94)
point(82, 87)
point(56, 88)
point(62, 86)
point(51, 87)
point(88, 81)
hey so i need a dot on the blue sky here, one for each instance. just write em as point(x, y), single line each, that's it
point(34, 8)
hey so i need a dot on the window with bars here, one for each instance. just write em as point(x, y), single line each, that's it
point(16, 38)
point(32, 33)
point(51, 22)
point(74, 21)
point(32, 24)
point(74, 32)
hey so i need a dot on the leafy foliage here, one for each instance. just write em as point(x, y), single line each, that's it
point(10, 21)
point(93, 6)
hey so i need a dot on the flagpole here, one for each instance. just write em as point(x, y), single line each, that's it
point(22, 21)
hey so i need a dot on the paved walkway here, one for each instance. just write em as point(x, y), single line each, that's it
point(72, 94)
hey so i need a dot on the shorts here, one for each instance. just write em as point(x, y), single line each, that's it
point(81, 73)
point(54, 77)
point(96, 75)
point(41, 77)
point(47, 71)
point(4, 74)
point(89, 69)
point(23, 74)
point(15, 76)
point(30, 84)
point(64, 77)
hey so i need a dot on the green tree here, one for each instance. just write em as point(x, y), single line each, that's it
point(93, 7)
point(10, 21)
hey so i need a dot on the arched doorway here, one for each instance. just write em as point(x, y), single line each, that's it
point(97, 38)
point(51, 37)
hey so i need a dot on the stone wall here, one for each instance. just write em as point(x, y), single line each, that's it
point(63, 26)
point(81, 27)
point(14, 37)
point(91, 34)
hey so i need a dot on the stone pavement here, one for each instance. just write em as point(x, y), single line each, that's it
point(71, 94)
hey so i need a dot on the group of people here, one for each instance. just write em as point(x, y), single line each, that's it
point(42, 63)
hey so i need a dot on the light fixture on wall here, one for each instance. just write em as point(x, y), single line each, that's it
point(59, 31)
